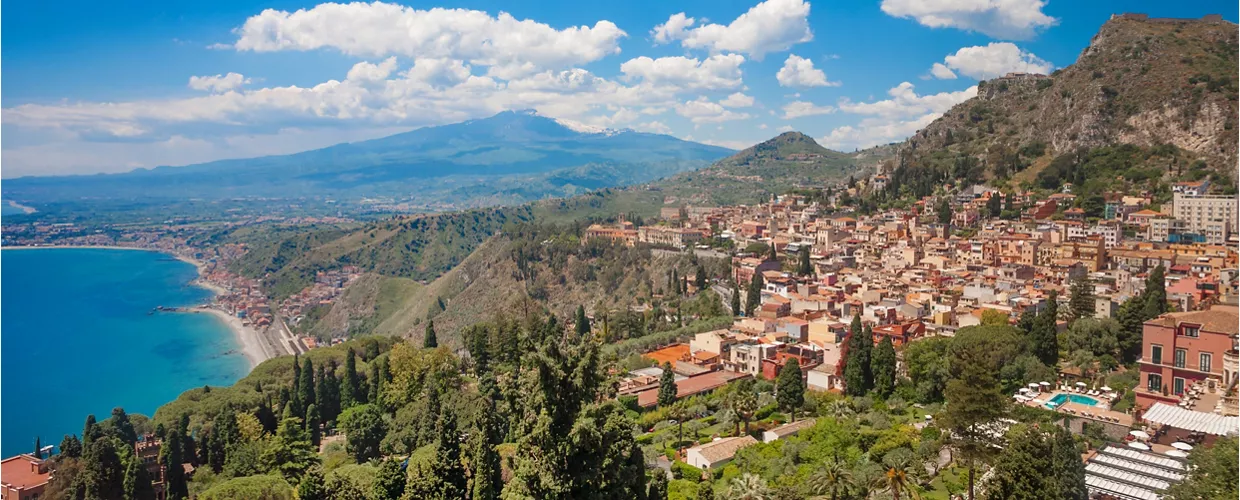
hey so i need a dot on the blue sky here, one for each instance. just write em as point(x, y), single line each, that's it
point(112, 86)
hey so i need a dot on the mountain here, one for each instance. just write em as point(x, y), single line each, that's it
point(513, 156)
point(1147, 102)
point(787, 161)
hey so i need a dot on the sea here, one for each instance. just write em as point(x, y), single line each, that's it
point(77, 338)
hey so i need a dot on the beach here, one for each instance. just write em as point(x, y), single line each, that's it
point(248, 338)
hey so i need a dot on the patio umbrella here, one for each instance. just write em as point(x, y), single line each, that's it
point(1176, 454)
point(1105, 388)
point(1044, 384)
point(1139, 434)
point(1182, 446)
point(1033, 385)
point(1139, 446)
point(1080, 384)
point(1024, 390)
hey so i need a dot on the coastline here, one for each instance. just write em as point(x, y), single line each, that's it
point(248, 339)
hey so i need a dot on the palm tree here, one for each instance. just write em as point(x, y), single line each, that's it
point(679, 412)
point(839, 409)
point(897, 478)
point(745, 405)
point(832, 479)
point(749, 487)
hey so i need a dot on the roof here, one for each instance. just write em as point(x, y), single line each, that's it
point(669, 354)
point(689, 386)
point(792, 428)
point(1190, 420)
point(723, 449)
point(1213, 320)
point(22, 472)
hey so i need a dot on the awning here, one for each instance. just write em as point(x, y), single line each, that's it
point(1189, 420)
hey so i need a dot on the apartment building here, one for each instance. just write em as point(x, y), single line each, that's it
point(1183, 348)
point(1213, 217)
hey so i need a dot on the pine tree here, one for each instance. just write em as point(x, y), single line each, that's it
point(70, 447)
point(444, 478)
point(487, 480)
point(311, 486)
point(1155, 293)
point(305, 390)
point(123, 427)
point(667, 387)
point(429, 340)
point(1082, 301)
point(753, 297)
point(736, 300)
point(581, 323)
point(1044, 339)
point(313, 425)
point(349, 387)
point(290, 453)
point(857, 374)
point(975, 399)
point(790, 388)
point(137, 481)
point(104, 472)
point(883, 367)
point(389, 481)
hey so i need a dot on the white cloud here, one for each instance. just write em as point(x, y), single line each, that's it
point(797, 109)
point(785, 128)
point(703, 110)
point(370, 72)
point(737, 100)
point(1002, 19)
point(720, 71)
point(218, 83)
point(673, 29)
point(770, 26)
point(763, 127)
point(875, 131)
point(730, 144)
point(905, 102)
point(510, 47)
point(990, 61)
point(438, 72)
point(800, 72)
point(938, 70)
point(654, 127)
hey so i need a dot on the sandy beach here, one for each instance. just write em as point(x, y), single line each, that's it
point(248, 338)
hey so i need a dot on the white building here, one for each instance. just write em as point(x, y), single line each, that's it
point(718, 452)
point(1213, 217)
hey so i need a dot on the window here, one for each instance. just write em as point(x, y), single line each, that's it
point(1192, 331)
point(1154, 383)
point(1156, 354)
point(1178, 386)
point(1181, 357)
point(1205, 361)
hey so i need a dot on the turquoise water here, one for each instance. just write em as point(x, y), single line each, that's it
point(77, 339)
point(1074, 398)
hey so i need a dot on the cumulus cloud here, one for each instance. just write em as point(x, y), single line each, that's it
point(905, 102)
point(785, 128)
point(800, 72)
point(875, 131)
point(797, 109)
point(1002, 19)
point(370, 72)
point(737, 100)
point(510, 47)
point(218, 83)
point(770, 26)
point(720, 71)
point(654, 127)
point(990, 61)
point(702, 110)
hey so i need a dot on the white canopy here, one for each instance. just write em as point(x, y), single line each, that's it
point(1044, 383)
point(1080, 384)
point(1105, 388)
point(1176, 454)
point(1024, 390)
point(1189, 420)
point(1182, 446)
point(1033, 385)
point(1139, 446)
point(1139, 434)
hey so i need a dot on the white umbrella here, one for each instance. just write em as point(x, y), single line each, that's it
point(1024, 390)
point(1139, 434)
point(1105, 388)
point(1176, 454)
point(1139, 446)
point(1033, 385)
point(1044, 384)
point(1182, 446)
point(1080, 384)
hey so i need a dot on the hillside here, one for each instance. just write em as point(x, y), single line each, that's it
point(775, 166)
point(1164, 86)
point(509, 158)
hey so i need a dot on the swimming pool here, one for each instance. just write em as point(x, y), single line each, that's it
point(1061, 398)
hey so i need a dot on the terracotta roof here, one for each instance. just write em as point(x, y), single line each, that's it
point(793, 428)
point(689, 386)
point(1214, 320)
point(22, 472)
point(723, 449)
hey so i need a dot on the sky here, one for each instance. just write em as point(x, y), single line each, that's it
point(112, 86)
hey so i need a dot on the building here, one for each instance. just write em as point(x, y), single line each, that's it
point(786, 430)
point(1184, 348)
point(1213, 217)
point(621, 234)
point(718, 452)
point(23, 477)
point(661, 235)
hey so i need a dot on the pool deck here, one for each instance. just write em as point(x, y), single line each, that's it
point(1101, 413)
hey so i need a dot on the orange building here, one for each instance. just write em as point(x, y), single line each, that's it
point(23, 477)
point(1183, 348)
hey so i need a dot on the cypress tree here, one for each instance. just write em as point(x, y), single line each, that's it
point(857, 374)
point(1066, 466)
point(581, 323)
point(790, 388)
point(89, 431)
point(189, 452)
point(376, 384)
point(104, 472)
point(267, 415)
point(1044, 339)
point(667, 387)
point(657, 487)
point(773, 254)
point(1155, 293)
point(123, 427)
point(137, 481)
point(170, 457)
point(674, 282)
point(486, 474)
point(944, 211)
point(321, 397)
point(753, 297)
point(349, 387)
point(429, 340)
point(313, 423)
point(883, 367)
point(38, 448)
point(806, 267)
point(296, 374)
point(736, 300)
point(311, 486)
point(70, 447)
point(305, 392)
point(1082, 301)
point(699, 279)
point(389, 481)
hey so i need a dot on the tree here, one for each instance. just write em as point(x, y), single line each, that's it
point(429, 340)
point(103, 473)
point(657, 488)
point(773, 255)
point(667, 386)
point(291, 453)
point(994, 317)
point(897, 468)
point(389, 481)
point(744, 403)
point(444, 477)
point(311, 486)
point(790, 388)
point(736, 300)
point(581, 323)
point(1082, 301)
point(1044, 338)
point(89, 431)
point(350, 387)
point(1131, 317)
point(831, 479)
point(171, 457)
point(705, 491)
point(994, 206)
point(1066, 466)
point(974, 397)
point(137, 481)
point(70, 447)
point(487, 478)
point(944, 211)
point(699, 279)
point(883, 367)
point(1211, 473)
point(1039, 462)
point(753, 296)
point(314, 425)
point(305, 388)
point(1155, 293)
point(857, 376)
point(376, 383)
point(805, 267)
point(364, 429)
point(748, 487)
point(38, 448)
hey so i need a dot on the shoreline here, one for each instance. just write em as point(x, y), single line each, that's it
point(248, 339)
